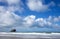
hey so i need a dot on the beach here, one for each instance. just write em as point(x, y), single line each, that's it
point(29, 36)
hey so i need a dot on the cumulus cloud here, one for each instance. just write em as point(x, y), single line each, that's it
point(7, 15)
point(2, 9)
point(37, 5)
point(7, 18)
point(13, 5)
point(56, 19)
point(43, 22)
point(12, 1)
point(29, 20)
point(49, 22)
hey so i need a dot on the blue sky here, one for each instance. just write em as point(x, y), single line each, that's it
point(30, 15)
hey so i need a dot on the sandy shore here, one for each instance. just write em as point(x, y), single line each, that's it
point(29, 35)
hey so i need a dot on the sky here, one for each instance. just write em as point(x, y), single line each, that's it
point(30, 15)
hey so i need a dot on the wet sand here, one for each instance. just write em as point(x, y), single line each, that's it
point(29, 36)
point(6, 37)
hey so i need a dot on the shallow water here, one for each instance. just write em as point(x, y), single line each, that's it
point(29, 36)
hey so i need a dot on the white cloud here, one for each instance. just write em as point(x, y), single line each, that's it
point(50, 21)
point(37, 5)
point(15, 5)
point(8, 18)
point(40, 21)
point(43, 22)
point(50, 18)
point(29, 20)
point(2, 9)
point(7, 15)
point(10, 2)
point(57, 19)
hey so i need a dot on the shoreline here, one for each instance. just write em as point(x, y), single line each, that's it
point(26, 33)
